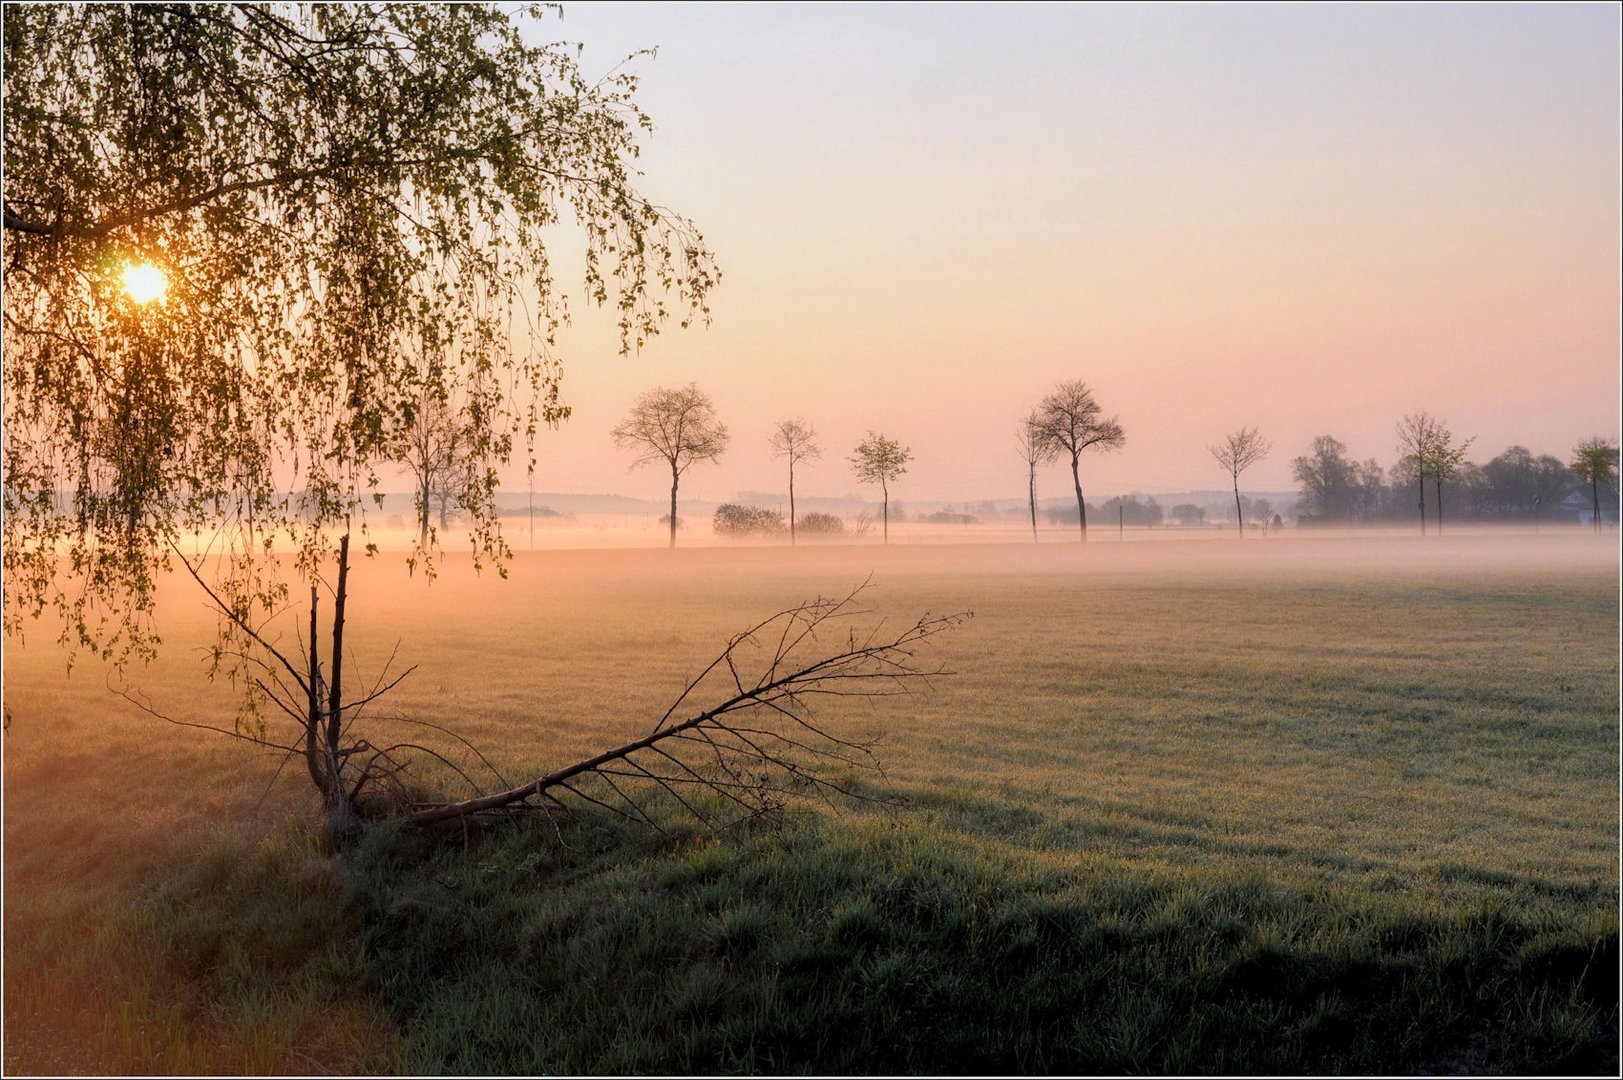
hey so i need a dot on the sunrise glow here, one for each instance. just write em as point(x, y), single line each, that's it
point(144, 282)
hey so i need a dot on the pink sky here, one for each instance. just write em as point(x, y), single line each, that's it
point(1311, 221)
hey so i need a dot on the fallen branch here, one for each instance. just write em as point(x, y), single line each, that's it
point(761, 743)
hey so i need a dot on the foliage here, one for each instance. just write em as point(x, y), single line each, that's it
point(352, 205)
point(879, 459)
point(731, 519)
point(1188, 514)
point(1594, 460)
point(817, 523)
point(1328, 480)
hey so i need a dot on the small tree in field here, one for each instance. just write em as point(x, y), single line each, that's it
point(1034, 451)
point(797, 441)
point(1070, 421)
point(1416, 432)
point(1594, 461)
point(678, 427)
point(1237, 453)
point(1446, 461)
point(879, 460)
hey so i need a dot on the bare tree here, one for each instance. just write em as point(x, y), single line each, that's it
point(435, 450)
point(1446, 460)
point(1415, 434)
point(797, 441)
point(1034, 451)
point(879, 460)
point(1237, 453)
point(678, 427)
point(762, 743)
point(1595, 461)
point(1070, 421)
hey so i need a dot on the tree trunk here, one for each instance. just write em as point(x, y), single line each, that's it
point(675, 479)
point(1031, 492)
point(1420, 469)
point(341, 817)
point(1594, 497)
point(422, 515)
point(884, 490)
point(1439, 484)
point(1239, 514)
point(791, 502)
point(1081, 507)
point(313, 759)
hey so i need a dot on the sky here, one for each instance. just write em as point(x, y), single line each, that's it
point(1311, 220)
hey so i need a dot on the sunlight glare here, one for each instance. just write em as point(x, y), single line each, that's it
point(144, 282)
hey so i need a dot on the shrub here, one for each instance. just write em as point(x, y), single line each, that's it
point(733, 519)
point(815, 524)
point(948, 517)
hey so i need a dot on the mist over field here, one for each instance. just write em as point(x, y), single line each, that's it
point(1093, 550)
point(1419, 729)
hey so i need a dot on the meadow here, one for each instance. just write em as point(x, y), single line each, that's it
point(1320, 804)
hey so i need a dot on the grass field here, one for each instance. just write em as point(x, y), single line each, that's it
point(1309, 804)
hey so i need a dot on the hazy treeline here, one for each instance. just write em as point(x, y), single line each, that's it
point(1514, 486)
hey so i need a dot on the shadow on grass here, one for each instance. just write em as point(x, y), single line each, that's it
point(870, 944)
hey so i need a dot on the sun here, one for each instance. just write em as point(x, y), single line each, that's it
point(144, 282)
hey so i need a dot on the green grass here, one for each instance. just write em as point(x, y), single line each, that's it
point(1229, 817)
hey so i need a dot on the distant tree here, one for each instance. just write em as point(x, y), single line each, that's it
point(797, 441)
point(1368, 490)
point(1327, 480)
point(819, 524)
point(879, 460)
point(1188, 514)
point(1237, 453)
point(1415, 434)
point(1035, 451)
point(1070, 421)
point(1446, 460)
point(1594, 460)
point(732, 519)
point(678, 427)
point(439, 451)
point(1516, 483)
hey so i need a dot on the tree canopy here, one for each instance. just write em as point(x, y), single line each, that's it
point(678, 427)
point(336, 212)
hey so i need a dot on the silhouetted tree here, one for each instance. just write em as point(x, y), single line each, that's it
point(1070, 421)
point(797, 441)
point(1594, 460)
point(1446, 460)
point(1415, 434)
point(317, 185)
point(879, 460)
point(678, 427)
point(1237, 453)
point(1328, 479)
point(1034, 451)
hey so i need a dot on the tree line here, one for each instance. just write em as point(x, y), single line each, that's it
point(680, 428)
point(1433, 482)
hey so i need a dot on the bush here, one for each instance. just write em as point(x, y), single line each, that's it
point(815, 524)
point(948, 517)
point(733, 519)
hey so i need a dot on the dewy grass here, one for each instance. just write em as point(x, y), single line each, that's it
point(1309, 816)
